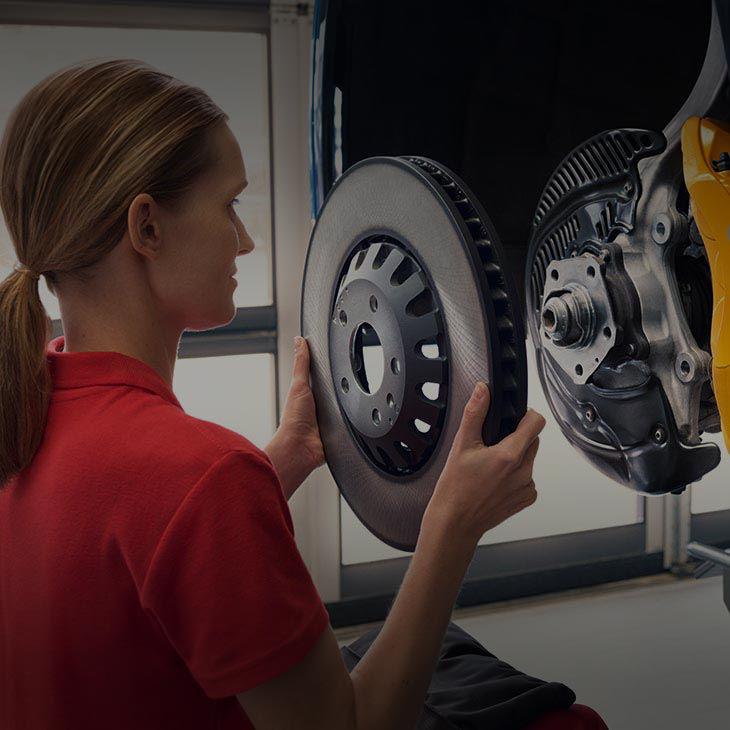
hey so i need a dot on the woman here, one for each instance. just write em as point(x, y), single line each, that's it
point(149, 576)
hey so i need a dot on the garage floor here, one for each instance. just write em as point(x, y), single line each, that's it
point(646, 654)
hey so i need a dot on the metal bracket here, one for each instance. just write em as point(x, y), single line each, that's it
point(714, 561)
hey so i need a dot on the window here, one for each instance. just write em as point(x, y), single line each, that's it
point(30, 53)
point(235, 391)
point(227, 375)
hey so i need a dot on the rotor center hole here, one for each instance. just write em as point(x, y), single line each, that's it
point(367, 358)
point(548, 319)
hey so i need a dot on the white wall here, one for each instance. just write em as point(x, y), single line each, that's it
point(712, 492)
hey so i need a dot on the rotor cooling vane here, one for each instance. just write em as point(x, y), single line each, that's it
point(619, 303)
point(405, 305)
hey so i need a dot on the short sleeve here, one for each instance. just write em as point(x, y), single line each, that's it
point(227, 582)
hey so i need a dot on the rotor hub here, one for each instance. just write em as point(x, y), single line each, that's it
point(577, 319)
point(386, 342)
point(568, 317)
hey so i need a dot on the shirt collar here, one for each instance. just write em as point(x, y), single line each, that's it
point(81, 369)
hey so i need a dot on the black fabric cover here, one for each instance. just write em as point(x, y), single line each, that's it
point(471, 689)
point(500, 91)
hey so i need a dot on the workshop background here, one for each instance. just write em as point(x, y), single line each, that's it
point(499, 92)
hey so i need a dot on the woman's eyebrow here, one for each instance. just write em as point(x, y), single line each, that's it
point(241, 185)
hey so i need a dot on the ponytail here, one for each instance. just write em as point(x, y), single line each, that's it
point(25, 381)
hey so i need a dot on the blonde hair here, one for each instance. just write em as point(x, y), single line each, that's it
point(77, 149)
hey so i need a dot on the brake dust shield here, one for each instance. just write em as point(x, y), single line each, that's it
point(619, 302)
point(406, 303)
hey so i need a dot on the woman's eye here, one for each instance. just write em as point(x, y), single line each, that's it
point(235, 201)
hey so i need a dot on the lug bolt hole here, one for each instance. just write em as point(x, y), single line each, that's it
point(373, 304)
point(345, 385)
point(395, 366)
point(376, 416)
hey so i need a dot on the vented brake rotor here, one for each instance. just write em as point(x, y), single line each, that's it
point(405, 305)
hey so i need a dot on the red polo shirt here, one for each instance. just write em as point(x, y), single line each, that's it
point(148, 568)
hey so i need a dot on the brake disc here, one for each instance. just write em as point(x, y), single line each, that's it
point(406, 303)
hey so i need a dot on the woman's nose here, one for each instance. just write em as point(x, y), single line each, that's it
point(247, 244)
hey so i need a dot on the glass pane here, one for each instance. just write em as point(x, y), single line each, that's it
point(573, 496)
point(235, 75)
point(712, 492)
point(235, 391)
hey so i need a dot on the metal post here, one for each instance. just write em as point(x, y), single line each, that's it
point(315, 508)
point(677, 520)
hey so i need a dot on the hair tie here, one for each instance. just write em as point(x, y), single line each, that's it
point(20, 268)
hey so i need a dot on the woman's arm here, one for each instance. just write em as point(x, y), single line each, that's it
point(296, 448)
point(292, 462)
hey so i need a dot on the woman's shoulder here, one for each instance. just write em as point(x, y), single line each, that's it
point(183, 440)
point(173, 454)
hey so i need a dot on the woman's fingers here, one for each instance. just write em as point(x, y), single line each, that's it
point(526, 432)
point(472, 419)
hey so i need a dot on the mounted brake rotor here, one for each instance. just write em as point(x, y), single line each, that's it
point(406, 303)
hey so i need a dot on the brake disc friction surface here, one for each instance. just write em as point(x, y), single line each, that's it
point(403, 260)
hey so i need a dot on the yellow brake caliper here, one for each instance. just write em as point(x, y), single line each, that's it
point(706, 162)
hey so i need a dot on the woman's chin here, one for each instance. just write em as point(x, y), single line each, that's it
point(214, 320)
point(229, 316)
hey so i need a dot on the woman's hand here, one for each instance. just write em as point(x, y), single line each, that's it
point(296, 448)
point(481, 486)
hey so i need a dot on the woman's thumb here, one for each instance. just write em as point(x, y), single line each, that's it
point(301, 360)
point(475, 411)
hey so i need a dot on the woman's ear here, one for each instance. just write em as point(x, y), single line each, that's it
point(144, 226)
